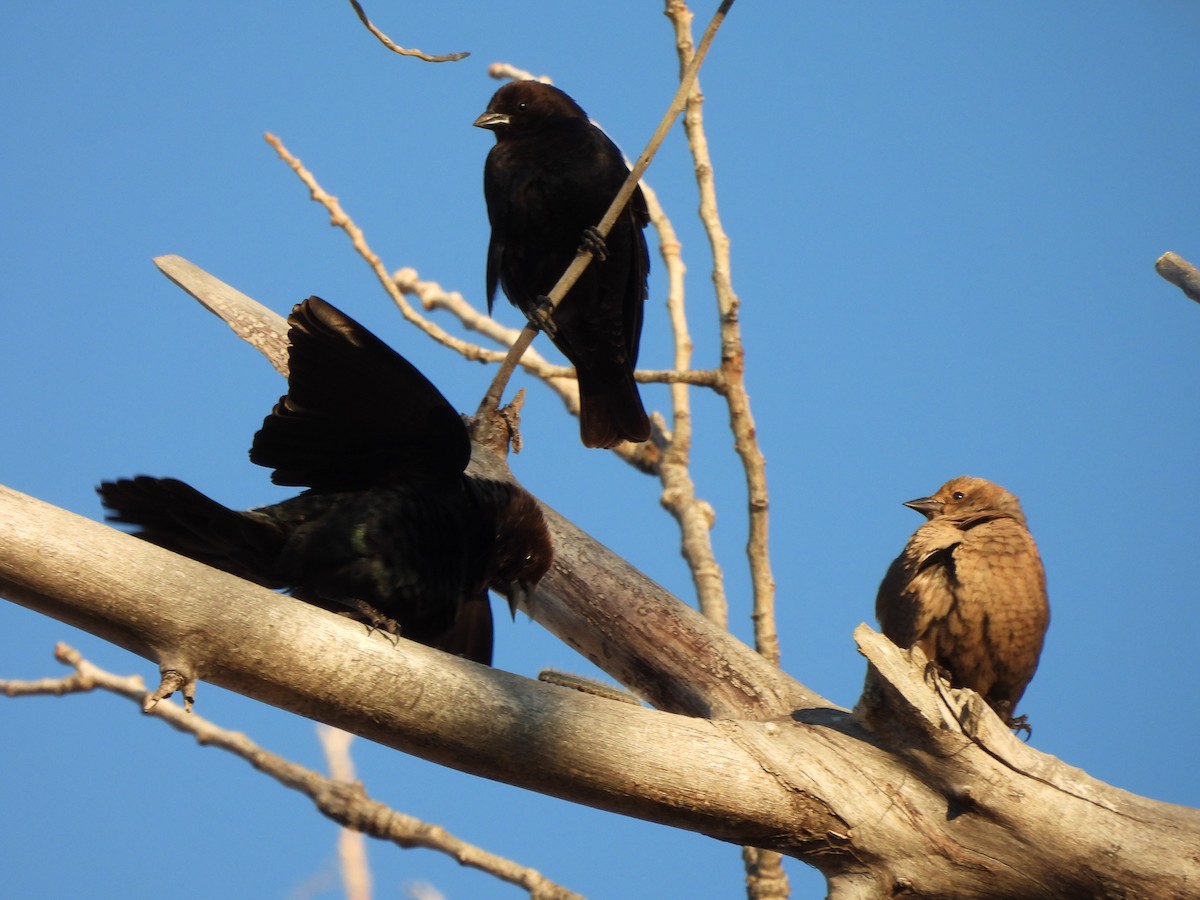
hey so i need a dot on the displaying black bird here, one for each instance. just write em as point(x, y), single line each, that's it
point(548, 180)
point(390, 528)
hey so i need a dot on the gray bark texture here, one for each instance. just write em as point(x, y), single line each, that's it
point(920, 791)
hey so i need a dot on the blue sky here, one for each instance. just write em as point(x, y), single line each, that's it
point(944, 221)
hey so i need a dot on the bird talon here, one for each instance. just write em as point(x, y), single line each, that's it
point(377, 621)
point(593, 242)
point(1020, 724)
point(543, 317)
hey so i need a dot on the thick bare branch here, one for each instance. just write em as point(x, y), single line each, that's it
point(863, 805)
point(249, 319)
point(300, 658)
point(1180, 273)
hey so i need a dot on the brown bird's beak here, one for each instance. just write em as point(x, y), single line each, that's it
point(926, 506)
point(491, 121)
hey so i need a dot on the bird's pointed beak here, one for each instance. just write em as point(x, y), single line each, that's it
point(491, 120)
point(926, 506)
point(518, 596)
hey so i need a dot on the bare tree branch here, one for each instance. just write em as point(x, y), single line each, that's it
point(916, 791)
point(339, 219)
point(249, 319)
point(695, 517)
point(395, 48)
point(352, 850)
point(298, 657)
point(764, 871)
point(504, 71)
point(340, 798)
point(733, 360)
point(1180, 273)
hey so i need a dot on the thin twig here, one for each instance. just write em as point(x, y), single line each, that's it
point(504, 71)
point(352, 849)
point(491, 397)
point(339, 219)
point(433, 296)
point(733, 360)
point(345, 803)
point(584, 256)
point(695, 517)
point(764, 869)
point(406, 282)
point(396, 48)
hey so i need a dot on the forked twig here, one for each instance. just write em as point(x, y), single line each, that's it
point(345, 803)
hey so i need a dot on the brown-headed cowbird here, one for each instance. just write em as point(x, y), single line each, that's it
point(548, 181)
point(969, 589)
point(391, 528)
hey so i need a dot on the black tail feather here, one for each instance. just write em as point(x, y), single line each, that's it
point(178, 517)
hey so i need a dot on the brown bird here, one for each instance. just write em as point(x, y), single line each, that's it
point(391, 527)
point(970, 591)
point(548, 181)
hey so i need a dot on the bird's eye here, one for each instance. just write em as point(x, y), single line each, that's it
point(521, 105)
point(957, 495)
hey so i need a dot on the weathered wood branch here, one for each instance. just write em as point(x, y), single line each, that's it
point(213, 626)
point(907, 792)
point(921, 791)
point(1180, 273)
point(703, 671)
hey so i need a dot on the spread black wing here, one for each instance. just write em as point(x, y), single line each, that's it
point(357, 414)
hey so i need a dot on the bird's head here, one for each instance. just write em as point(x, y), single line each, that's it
point(965, 497)
point(525, 106)
point(523, 551)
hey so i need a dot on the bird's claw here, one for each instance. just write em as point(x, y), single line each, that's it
point(1020, 724)
point(377, 621)
point(593, 241)
point(543, 317)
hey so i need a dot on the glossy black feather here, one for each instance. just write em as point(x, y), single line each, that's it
point(392, 528)
point(334, 430)
point(551, 175)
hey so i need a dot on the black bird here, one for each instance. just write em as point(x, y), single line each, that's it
point(391, 527)
point(548, 180)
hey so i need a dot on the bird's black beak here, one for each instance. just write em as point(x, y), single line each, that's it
point(491, 120)
point(518, 596)
point(926, 506)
